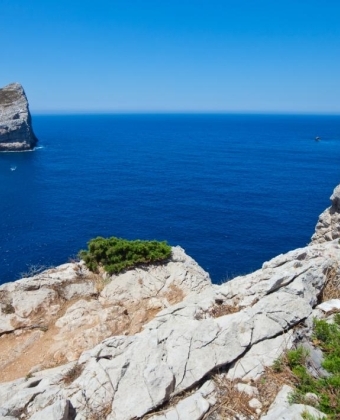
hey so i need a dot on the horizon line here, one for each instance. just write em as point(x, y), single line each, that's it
point(174, 112)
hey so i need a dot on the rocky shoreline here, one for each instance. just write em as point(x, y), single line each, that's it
point(162, 342)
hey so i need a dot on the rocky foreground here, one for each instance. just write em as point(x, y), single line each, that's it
point(16, 132)
point(161, 342)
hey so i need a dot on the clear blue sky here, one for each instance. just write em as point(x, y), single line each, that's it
point(178, 55)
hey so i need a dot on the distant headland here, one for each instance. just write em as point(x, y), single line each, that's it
point(16, 132)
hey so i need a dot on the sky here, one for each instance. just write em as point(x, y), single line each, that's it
point(173, 56)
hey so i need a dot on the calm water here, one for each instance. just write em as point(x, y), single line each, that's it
point(233, 190)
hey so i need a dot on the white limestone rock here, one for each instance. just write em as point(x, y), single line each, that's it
point(25, 302)
point(57, 411)
point(329, 306)
point(85, 308)
point(193, 407)
point(283, 410)
point(252, 364)
point(34, 301)
point(328, 226)
point(171, 281)
point(301, 272)
point(249, 390)
point(176, 351)
point(255, 403)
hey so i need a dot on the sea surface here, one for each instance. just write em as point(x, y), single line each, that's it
point(232, 190)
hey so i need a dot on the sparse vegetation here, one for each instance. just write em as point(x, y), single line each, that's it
point(116, 255)
point(231, 403)
point(222, 309)
point(307, 416)
point(326, 389)
point(73, 373)
point(33, 270)
point(7, 308)
point(332, 285)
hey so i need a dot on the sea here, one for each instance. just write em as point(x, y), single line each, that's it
point(232, 190)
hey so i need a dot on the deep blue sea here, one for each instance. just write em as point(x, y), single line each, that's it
point(232, 190)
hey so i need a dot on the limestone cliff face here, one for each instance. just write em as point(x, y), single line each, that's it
point(16, 133)
point(328, 226)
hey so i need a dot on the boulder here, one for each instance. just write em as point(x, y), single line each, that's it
point(16, 132)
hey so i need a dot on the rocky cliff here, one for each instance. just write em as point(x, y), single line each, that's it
point(161, 342)
point(16, 133)
point(328, 226)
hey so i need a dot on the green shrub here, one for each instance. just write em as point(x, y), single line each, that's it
point(116, 254)
point(278, 365)
point(297, 357)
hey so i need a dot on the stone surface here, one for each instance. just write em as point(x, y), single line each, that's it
point(253, 363)
point(247, 389)
point(57, 411)
point(314, 359)
point(168, 283)
point(255, 403)
point(16, 133)
point(328, 226)
point(329, 306)
point(283, 410)
point(193, 407)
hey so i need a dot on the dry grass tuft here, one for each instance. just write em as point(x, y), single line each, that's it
point(230, 401)
point(98, 414)
point(34, 270)
point(7, 308)
point(271, 383)
point(174, 294)
point(99, 282)
point(219, 310)
point(331, 289)
point(73, 373)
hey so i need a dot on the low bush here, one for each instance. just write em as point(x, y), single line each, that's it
point(116, 254)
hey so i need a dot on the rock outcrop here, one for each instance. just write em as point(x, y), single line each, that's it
point(16, 133)
point(158, 342)
point(68, 304)
point(328, 226)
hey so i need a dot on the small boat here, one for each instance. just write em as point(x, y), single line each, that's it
point(13, 168)
point(317, 138)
